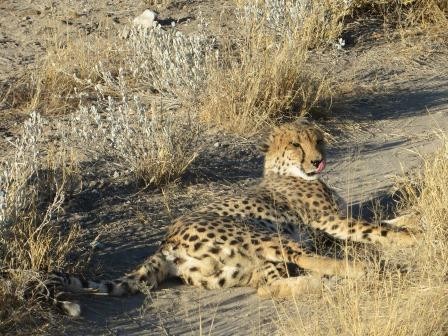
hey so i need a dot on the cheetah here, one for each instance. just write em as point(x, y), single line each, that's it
point(251, 239)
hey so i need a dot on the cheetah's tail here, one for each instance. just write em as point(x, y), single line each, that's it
point(153, 271)
point(41, 287)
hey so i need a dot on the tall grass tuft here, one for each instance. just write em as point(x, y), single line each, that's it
point(32, 239)
point(267, 77)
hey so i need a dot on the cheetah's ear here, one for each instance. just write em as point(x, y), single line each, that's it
point(302, 122)
point(264, 145)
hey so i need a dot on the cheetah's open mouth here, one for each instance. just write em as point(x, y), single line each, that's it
point(319, 168)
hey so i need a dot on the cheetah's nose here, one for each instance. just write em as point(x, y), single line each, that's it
point(316, 163)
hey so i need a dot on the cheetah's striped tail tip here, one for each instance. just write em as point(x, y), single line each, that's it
point(70, 308)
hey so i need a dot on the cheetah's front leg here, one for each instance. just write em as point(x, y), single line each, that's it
point(362, 231)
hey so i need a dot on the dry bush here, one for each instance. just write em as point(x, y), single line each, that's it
point(169, 63)
point(158, 68)
point(268, 77)
point(100, 75)
point(393, 303)
point(427, 16)
point(154, 145)
point(32, 191)
point(151, 61)
point(66, 74)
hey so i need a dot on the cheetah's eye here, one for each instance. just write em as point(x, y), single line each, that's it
point(295, 144)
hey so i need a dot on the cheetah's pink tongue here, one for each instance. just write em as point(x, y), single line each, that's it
point(321, 166)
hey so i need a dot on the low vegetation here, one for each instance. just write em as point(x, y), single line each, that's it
point(155, 146)
point(33, 185)
point(428, 16)
point(268, 78)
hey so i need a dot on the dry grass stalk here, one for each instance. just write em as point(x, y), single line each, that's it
point(268, 78)
point(31, 241)
point(154, 145)
point(427, 16)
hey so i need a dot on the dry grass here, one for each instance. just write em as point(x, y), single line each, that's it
point(110, 87)
point(150, 63)
point(393, 303)
point(32, 188)
point(268, 77)
point(263, 76)
point(428, 16)
point(66, 75)
point(154, 145)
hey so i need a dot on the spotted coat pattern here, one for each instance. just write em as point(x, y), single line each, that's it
point(259, 238)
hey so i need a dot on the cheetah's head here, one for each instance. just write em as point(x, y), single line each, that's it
point(295, 149)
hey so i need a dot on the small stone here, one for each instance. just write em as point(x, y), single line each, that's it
point(96, 244)
point(116, 174)
point(77, 217)
point(124, 34)
point(146, 20)
point(216, 144)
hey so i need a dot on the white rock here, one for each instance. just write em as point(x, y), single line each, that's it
point(146, 20)
point(96, 244)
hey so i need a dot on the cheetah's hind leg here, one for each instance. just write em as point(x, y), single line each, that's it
point(271, 282)
point(291, 287)
point(409, 221)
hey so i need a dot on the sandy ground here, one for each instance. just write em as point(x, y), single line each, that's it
point(384, 123)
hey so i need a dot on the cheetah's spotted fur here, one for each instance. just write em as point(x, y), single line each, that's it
point(246, 240)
